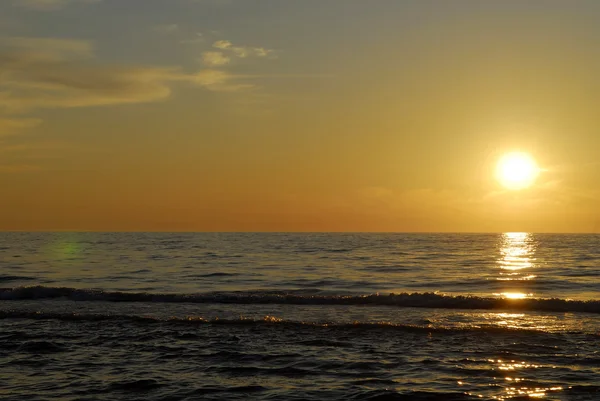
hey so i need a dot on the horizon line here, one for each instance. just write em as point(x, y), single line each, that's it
point(288, 232)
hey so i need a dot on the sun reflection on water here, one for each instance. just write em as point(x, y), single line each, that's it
point(532, 392)
point(516, 257)
point(517, 387)
point(513, 295)
point(516, 251)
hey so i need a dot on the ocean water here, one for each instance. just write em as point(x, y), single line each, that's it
point(148, 316)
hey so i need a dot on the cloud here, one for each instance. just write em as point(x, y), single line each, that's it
point(241, 51)
point(222, 44)
point(64, 85)
point(49, 5)
point(214, 59)
point(58, 73)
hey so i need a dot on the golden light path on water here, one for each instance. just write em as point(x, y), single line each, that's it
point(516, 259)
point(517, 252)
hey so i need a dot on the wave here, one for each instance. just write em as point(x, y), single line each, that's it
point(270, 321)
point(416, 300)
point(217, 274)
point(8, 277)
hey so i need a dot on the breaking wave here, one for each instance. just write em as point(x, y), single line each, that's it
point(416, 300)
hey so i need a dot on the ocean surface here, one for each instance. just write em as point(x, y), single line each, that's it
point(223, 316)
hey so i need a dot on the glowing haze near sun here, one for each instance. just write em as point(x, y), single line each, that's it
point(517, 170)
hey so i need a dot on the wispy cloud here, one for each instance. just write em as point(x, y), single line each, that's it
point(223, 44)
point(57, 73)
point(214, 59)
point(49, 5)
point(241, 51)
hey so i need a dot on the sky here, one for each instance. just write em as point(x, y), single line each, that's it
point(297, 115)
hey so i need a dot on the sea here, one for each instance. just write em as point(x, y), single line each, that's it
point(299, 316)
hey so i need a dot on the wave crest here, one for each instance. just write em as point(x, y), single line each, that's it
point(416, 300)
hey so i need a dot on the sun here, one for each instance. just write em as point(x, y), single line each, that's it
point(517, 170)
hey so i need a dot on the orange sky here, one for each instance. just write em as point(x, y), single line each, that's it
point(342, 115)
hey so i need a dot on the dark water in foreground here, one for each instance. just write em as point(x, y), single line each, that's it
point(299, 316)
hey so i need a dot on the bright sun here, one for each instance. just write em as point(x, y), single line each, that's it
point(517, 170)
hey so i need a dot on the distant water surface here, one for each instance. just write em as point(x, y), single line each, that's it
point(188, 316)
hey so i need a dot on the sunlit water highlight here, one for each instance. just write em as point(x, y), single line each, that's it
point(299, 316)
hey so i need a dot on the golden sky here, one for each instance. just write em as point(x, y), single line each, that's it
point(297, 115)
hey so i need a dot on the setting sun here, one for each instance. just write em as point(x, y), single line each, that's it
point(517, 170)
